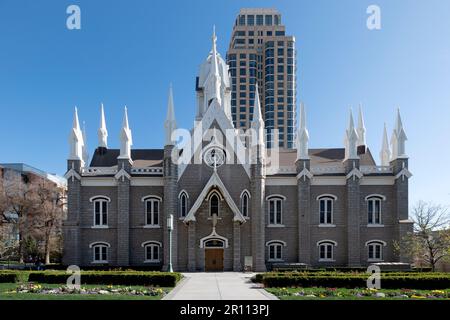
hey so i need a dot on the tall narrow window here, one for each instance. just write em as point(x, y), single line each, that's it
point(326, 210)
point(152, 253)
point(374, 210)
point(214, 205)
point(152, 212)
point(275, 211)
point(245, 204)
point(99, 252)
point(275, 250)
point(183, 204)
point(100, 211)
point(375, 250)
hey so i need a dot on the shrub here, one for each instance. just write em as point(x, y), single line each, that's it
point(128, 278)
point(427, 281)
point(8, 277)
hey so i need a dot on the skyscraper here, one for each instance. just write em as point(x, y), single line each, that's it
point(261, 52)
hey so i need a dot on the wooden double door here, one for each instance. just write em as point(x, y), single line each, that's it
point(214, 259)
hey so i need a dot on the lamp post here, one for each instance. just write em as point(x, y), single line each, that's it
point(170, 228)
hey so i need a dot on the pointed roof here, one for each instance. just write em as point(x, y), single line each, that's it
point(170, 123)
point(76, 122)
point(76, 140)
point(351, 131)
point(361, 128)
point(399, 126)
point(102, 131)
point(85, 152)
point(126, 131)
point(385, 152)
point(302, 135)
point(257, 120)
point(216, 182)
point(215, 68)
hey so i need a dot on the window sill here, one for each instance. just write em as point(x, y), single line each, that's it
point(275, 226)
point(275, 260)
point(327, 225)
point(375, 260)
point(100, 227)
point(150, 226)
point(327, 260)
point(374, 225)
point(152, 261)
point(246, 218)
point(100, 261)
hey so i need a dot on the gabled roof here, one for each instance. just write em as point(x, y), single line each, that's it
point(215, 182)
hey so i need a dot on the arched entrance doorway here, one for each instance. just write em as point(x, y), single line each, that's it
point(214, 249)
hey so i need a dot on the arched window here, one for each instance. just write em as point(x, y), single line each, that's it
point(375, 250)
point(326, 204)
point(275, 250)
point(374, 209)
point(152, 251)
point(152, 210)
point(183, 203)
point(100, 204)
point(214, 204)
point(275, 209)
point(245, 203)
point(326, 250)
point(100, 252)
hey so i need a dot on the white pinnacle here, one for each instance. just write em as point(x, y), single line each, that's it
point(302, 136)
point(351, 140)
point(385, 153)
point(85, 152)
point(398, 139)
point(126, 140)
point(257, 124)
point(361, 128)
point(102, 131)
point(76, 141)
point(170, 123)
point(215, 68)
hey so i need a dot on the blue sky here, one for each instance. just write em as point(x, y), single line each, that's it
point(127, 52)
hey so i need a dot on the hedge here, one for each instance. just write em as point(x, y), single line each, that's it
point(161, 279)
point(357, 280)
point(8, 277)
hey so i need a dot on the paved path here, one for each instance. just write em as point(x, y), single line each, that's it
point(218, 286)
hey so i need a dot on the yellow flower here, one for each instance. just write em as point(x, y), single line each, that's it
point(438, 292)
point(417, 297)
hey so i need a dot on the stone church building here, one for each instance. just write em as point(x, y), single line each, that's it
point(234, 203)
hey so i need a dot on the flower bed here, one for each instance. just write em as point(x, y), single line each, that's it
point(109, 290)
point(341, 293)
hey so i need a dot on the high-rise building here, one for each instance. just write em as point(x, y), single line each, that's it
point(261, 53)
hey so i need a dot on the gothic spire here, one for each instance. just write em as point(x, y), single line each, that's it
point(361, 128)
point(302, 136)
point(126, 140)
point(102, 131)
point(385, 153)
point(351, 140)
point(76, 139)
point(398, 139)
point(170, 123)
point(215, 69)
point(85, 152)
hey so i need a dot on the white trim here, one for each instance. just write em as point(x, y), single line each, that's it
point(181, 192)
point(305, 173)
point(213, 236)
point(98, 182)
point(377, 181)
point(92, 244)
point(327, 195)
point(245, 191)
point(328, 181)
point(375, 195)
point(327, 240)
point(122, 173)
point(147, 181)
point(100, 227)
point(99, 197)
point(269, 197)
point(375, 225)
point(143, 244)
point(281, 181)
point(276, 226)
point(268, 243)
point(354, 173)
point(275, 199)
point(326, 225)
point(216, 182)
point(373, 199)
point(216, 194)
point(376, 241)
point(150, 196)
point(151, 226)
point(211, 193)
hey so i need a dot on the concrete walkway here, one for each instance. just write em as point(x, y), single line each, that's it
point(218, 286)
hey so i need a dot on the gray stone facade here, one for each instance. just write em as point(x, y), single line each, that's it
point(300, 232)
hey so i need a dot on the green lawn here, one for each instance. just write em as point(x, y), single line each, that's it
point(7, 292)
point(357, 294)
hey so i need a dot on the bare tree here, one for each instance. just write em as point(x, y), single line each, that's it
point(431, 238)
point(48, 219)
